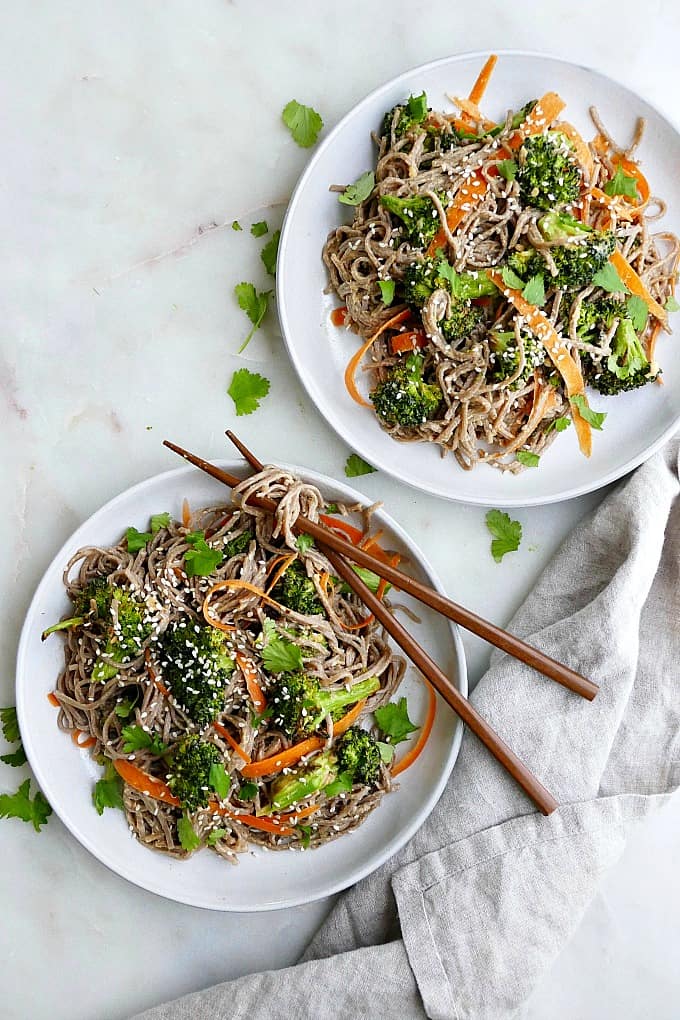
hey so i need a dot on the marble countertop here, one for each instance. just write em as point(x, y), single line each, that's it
point(133, 135)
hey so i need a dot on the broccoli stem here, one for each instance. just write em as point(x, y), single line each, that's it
point(291, 789)
point(331, 701)
point(73, 621)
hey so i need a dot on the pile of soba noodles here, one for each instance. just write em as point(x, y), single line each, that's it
point(140, 679)
point(492, 367)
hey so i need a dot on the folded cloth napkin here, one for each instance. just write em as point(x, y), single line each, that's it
point(467, 917)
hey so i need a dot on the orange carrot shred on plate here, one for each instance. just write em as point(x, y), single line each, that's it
point(410, 341)
point(235, 746)
point(471, 113)
point(583, 154)
point(144, 783)
point(285, 562)
point(272, 824)
point(186, 513)
point(337, 524)
point(423, 737)
point(226, 585)
point(356, 359)
point(637, 287)
point(53, 700)
point(250, 674)
point(88, 742)
point(482, 82)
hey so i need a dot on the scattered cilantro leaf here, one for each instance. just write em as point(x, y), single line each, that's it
point(247, 389)
point(219, 780)
point(306, 831)
point(511, 279)
point(281, 656)
point(638, 312)
point(507, 534)
point(528, 458)
point(393, 721)
point(236, 225)
point(137, 739)
point(356, 466)
point(187, 837)
point(125, 708)
point(303, 122)
point(255, 304)
point(247, 791)
point(136, 540)
point(622, 184)
point(108, 791)
point(304, 542)
point(594, 418)
point(386, 751)
point(343, 784)
point(159, 521)
point(270, 252)
point(609, 279)
point(15, 758)
point(259, 229)
point(20, 805)
point(507, 168)
point(446, 270)
point(332, 508)
point(201, 559)
point(216, 835)
point(10, 724)
point(534, 292)
point(672, 304)
point(358, 192)
point(387, 291)
point(559, 424)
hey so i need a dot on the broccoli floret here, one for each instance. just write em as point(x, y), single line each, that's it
point(300, 704)
point(577, 262)
point(547, 175)
point(237, 545)
point(95, 598)
point(408, 116)
point(296, 591)
point(596, 316)
point(196, 666)
point(359, 754)
point(418, 214)
point(402, 398)
point(422, 278)
point(626, 368)
point(505, 357)
point(462, 319)
point(189, 776)
point(300, 783)
point(527, 263)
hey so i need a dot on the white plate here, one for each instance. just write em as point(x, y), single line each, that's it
point(637, 423)
point(263, 880)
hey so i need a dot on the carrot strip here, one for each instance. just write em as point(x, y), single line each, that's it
point(481, 84)
point(651, 344)
point(545, 112)
point(467, 196)
point(611, 201)
point(370, 540)
point(411, 341)
point(357, 358)
point(633, 170)
point(472, 114)
point(253, 822)
point(276, 762)
point(425, 731)
point(53, 699)
point(324, 580)
point(144, 783)
point(220, 586)
point(251, 677)
point(77, 734)
point(235, 746)
point(637, 287)
point(186, 514)
point(542, 328)
point(337, 524)
point(583, 153)
point(287, 560)
point(304, 812)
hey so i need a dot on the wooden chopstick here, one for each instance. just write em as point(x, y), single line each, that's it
point(541, 797)
point(502, 639)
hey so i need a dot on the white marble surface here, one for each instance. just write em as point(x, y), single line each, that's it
point(129, 130)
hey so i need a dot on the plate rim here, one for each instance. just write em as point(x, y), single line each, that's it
point(41, 771)
point(391, 467)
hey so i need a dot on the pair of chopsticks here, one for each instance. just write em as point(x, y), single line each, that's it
point(339, 550)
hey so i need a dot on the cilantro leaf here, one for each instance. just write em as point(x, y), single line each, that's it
point(559, 424)
point(609, 279)
point(20, 805)
point(528, 458)
point(303, 122)
point(622, 184)
point(159, 521)
point(370, 579)
point(507, 534)
point(304, 542)
point(15, 758)
point(417, 107)
point(358, 192)
point(332, 508)
point(187, 837)
point(136, 540)
point(202, 559)
point(393, 721)
point(386, 751)
point(594, 418)
point(108, 791)
point(216, 835)
point(137, 739)
point(259, 229)
point(672, 304)
point(219, 780)
point(387, 291)
point(281, 656)
point(343, 784)
point(534, 292)
point(446, 270)
point(356, 466)
point(247, 791)
point(511, 279)
point(255, 304)
point(637, 312)
point(270, 252)
point(247, 389)
point(507, 168)
point(306, 831)
point(10, 724)
point(124, 708)
point(236, 225)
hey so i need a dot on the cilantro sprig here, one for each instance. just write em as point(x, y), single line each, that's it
point(507, 534)
point(255, 304)
point(247, 389)
point(270, 253)
point(394, 723)
point(355, 194)
point(356, 466)
point(303, 122)
point(20, 805)
point(201, 560)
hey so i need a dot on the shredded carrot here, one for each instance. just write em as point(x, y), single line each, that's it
point(338, 315)
point(583, 154)
point(637, 287)
point(287, 560)
point(600, 144)
point(251, 677)
point(472, 114)
point(481, 84)
point(633, 170)
point(235, 746)
point(236, 583)
point(324, 581)
point(360, 624)
point(337, 524)
point(425, 731)
point(410, 341)
point(611, 201)
point(651, 345)
point(53, 699)
point(467, 196)
point(186, 514)
point(545, 112)
point(370, 540)
point(276, 762)
point(357, 358)
point(542, 328)
point(144, 783)
point(304, 812)
point(77, 734)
